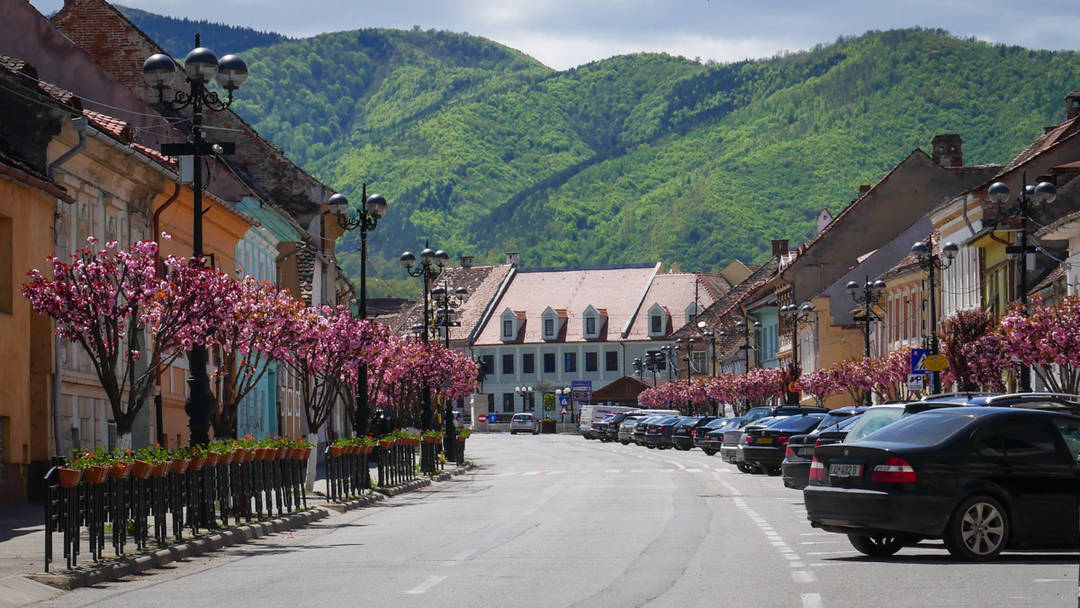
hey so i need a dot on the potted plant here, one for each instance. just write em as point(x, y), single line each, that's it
point(547, 425)
point(338, 448)
point(367, 444)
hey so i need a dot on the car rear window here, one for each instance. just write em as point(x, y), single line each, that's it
point(927, 428)
point(833, 418)
point(797, 423)
point(755, 414)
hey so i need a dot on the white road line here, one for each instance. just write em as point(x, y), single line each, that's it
point(803, 576)
point(828, 552)
point(819, 542)
point(816, 534)
point(811, 600)
point(424, 586)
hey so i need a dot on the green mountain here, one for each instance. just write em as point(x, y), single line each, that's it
point(177, 36)
point(483, 150)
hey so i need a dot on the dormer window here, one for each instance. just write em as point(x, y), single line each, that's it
point(593, 320)
point(553, 323)
point(508, 328)
point(659, 319)
point(692, 312)
point(549, 328)
point(512, 322)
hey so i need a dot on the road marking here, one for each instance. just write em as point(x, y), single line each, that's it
point(811, 600)
point(828, 552)
point(819, 542)
point(424, 586)
point(803, 576)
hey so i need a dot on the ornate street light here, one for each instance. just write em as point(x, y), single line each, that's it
point(867, 295)
point(803, 313)
point(200, 67)
point(1044, 193)
point(432, 263)
point(931, 262)
point(744, 328)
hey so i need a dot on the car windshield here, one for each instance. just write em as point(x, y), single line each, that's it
point(927, 428)
point(756, 414)
point(522, 417)
point(689, 421)
point(799, 424)
point(629, 422)
point(834, 418)
point(875, 418)
point(715, 424)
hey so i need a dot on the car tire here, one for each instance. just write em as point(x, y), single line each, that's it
point(878, 545)
point(773, 471)
point(978, 529)
point(745, 468)
point(513, 432)
point(624, 442)
point(709, 451)
point(536, 431)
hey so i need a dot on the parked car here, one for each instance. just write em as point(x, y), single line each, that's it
point(524, 422)
point(658, 431)
point(711, 436)
point(764, 447)
point(638, 436)
point(800, 450)
point(731, 448)
point(980, 478)
point(733, 438)
point(626, 429)
point(599, 428)
point(682, 436)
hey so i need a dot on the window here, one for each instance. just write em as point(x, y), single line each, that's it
point(590, 362)
point(508, 328)
point(487, 364)
point(549, 328)
point(508, 364)
point(570, 362)
point(549, 363)
point(590, 326)
point(490, 403)
point(611, 361)
point(528, 363)
point(508, 402)
point(656, 324)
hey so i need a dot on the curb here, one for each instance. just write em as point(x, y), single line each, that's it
point(126, 566)
point(356, 503)
point(411, 486)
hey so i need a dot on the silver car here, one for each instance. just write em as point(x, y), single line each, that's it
point(524, 422)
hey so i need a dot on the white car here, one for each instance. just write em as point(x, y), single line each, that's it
point(525, 423)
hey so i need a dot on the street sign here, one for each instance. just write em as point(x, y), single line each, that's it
point(492, 418)
point(481, 418)
point(916, 382)
point(918, 360)
point(564, 401)
point(563, 412)
point(581, 390)
point(935, 363)
point(792, 387)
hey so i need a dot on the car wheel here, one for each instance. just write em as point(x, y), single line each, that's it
point(978, 529)
point(624, 442)
point(709, 451)
point(513, 432)
point(745, 468)
point(773, 471)
point(536, 431)
point(878, 545)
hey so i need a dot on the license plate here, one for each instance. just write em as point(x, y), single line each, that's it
point(845, 470)
point(764, 440)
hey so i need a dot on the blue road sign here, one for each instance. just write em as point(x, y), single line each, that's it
point(491, 418)
point(918, 357)
point(564, 401)
point(581, 390)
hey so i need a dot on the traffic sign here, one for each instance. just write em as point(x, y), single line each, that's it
point(916, 382)
point(492, 418)
point(563, 412)
point(581, 390)
point(935, 363)
point(564, 401)
point(481, 418)
point(918, 360)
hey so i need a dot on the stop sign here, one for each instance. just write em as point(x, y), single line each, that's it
point(481, 418)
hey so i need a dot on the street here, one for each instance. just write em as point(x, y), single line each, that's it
point(555, 520)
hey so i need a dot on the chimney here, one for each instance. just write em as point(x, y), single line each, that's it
point(466, 261)
point(513, 258)
point(948, 151)
point(779, 247)
point(1072, 104)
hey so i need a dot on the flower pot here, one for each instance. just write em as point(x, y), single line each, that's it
point(431, 439)
point(386, 445)
point(336, 450)
point(96, 474)
point(120, 470)
point(160, 469)
point(211, 459)
point(364, 449)
point(225, 458)
point(196, 463)
point(69, 478)
point(296, 453)
point(140, 469)
point(248, 454)
point(307, 453)
point(178, 466)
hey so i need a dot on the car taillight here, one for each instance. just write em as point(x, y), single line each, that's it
point(782, 439)
point(789, 453)
point(749, 439)
point(693, 433)
point(817, 443)
point(895, 470)
point(817, 470)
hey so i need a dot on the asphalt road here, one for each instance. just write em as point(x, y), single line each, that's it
point(560, 521)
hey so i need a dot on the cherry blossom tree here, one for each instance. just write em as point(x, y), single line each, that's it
point(1048, 340)
point(963, 342)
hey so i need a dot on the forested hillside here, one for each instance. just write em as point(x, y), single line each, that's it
point(177, 36)
point(482, 150)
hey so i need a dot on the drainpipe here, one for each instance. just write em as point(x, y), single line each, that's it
point(79, 123)
point(159, 414)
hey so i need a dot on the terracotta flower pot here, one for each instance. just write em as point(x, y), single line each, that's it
point(211, 459)
point(307, 453)
point(140, 469)
point(96, 474)
point(431, 439)
point(225, 458)
point(69, 478)
point(120, 470)
point(196, 463)
point(160, 469)
point(297, 454)
point(260, 453)
point(178, 466)
point(364, 449)
point(387, 444)
point(336, 450)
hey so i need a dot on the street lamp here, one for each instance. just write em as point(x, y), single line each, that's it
point(372, 208)
point(200, 67)
point(528, 398)
point(710, 335)
point(867, 295)
point(444, 318)
point(803, 313)
point(669, 353)
point(745, 328)
point(930, 262)
point(430, 267)
point(1043, 193)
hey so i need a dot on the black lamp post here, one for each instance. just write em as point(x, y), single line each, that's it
point(528, 397)
point(867, 295)
point(200, 67)
point(669, 353)
point(745, 328)
point(930, 262)
point(431, 266)
point(803, 313)
point(371, 209)
point(445, 319)
point(710, 335)
point(1043, 193)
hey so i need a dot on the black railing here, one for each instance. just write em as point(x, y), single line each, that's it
point(169, 500)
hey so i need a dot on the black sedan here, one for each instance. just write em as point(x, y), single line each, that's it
point(658, 431)
point(981, 479)
point(800, 448)
point(711, 436)
point(764, 448)
point(682, 436)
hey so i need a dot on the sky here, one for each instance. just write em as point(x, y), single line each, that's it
point(567, 33)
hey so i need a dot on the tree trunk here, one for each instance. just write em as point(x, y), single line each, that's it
point(313, 459)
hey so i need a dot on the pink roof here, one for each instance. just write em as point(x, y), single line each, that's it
point(674, 292)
